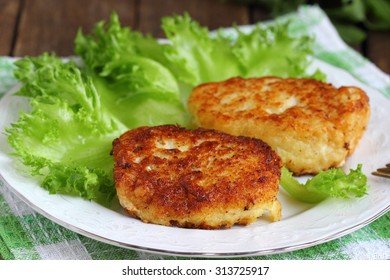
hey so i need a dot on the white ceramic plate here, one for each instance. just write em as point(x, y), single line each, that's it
point(302, 225)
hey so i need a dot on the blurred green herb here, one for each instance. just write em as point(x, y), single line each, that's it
point(352, 18)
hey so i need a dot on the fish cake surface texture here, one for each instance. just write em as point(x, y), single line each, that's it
point(198, 178)
point(312, 125)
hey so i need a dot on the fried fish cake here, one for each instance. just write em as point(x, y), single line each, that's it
point(312, 125)
point(198, 178)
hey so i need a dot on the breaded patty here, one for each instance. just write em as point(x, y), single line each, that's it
point(311, 125)
point(198, 178)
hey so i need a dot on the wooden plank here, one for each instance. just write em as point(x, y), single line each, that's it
point(9, 10)
point(51, 26)
point(378, 49)
point(259, 14)
point(210, 13)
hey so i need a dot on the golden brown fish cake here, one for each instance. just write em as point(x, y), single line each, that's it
point(198, 178)
point(311, 125)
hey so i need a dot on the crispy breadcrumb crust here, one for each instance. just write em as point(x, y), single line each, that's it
point(198, 178)
point(312, 125)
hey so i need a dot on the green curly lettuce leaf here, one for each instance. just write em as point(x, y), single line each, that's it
point(331, 183)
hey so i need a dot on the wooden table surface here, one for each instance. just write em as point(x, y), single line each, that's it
point(31, 27)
